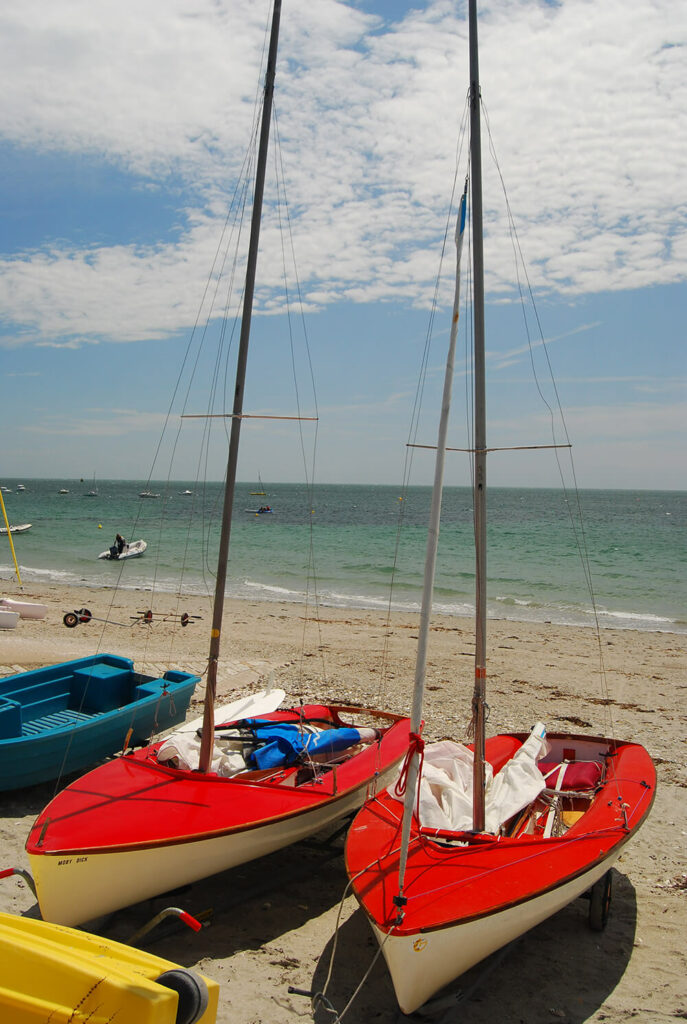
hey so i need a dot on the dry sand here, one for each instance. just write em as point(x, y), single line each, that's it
point(272, 924)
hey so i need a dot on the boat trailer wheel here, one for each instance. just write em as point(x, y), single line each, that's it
point(600, 902)
point(72, 619)
point(192, 992)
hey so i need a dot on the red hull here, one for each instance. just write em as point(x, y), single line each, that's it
point(446, 885)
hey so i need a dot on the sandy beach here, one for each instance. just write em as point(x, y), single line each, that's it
point(272, 924)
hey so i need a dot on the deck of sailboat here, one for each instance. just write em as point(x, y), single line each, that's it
point(137, 802)
point(470, 877)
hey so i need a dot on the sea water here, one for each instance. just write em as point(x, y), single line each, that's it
point(357, 546)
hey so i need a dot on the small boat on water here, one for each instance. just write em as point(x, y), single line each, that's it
point(133, 550)
point(65, 976)
point(263, 510)
point(93, 493)
point(20, 528)
point(21, 487)
point(63, 490)
point(148, 494)
point(68, 716)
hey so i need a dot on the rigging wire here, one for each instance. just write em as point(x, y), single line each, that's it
point(418, 397)
point(220, 304)
point(308, 469)
point(320, 999)
point(222, 274)
point(576, 523)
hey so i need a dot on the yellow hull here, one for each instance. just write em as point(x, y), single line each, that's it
point(52, 973)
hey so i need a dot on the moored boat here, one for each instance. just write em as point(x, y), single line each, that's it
point(93, 493)
point(19, 528)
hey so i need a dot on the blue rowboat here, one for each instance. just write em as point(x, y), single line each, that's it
point(67, 717)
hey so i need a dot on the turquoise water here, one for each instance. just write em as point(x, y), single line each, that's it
point(344, 542)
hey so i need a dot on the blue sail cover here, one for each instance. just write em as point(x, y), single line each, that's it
point(284, 742)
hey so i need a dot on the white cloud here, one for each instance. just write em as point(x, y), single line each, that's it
point(587, 104)
point(507, 358)
point(95, 423)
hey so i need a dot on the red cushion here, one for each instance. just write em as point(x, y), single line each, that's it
point(578, 775)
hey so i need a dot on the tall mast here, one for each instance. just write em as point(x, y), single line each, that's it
point(218, 606)
point(430, 563)
point(480, 434)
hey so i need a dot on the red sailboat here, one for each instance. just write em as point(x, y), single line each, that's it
point(467, 893)
point(138, 826)
point(547, 814)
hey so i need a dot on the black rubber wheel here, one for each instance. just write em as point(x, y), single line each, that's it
point(192, 992)
point(84, 615)
point(600, 902)
point(70, 620)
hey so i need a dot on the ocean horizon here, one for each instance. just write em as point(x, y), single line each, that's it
point(363, 546)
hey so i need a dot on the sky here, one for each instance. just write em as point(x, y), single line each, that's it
point(123, 129)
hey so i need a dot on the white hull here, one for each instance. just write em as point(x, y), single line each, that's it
point(8, 619)
point(76, 888)
point(134, 550)
point(21, 528)
point(422, 964)
point(25, 609)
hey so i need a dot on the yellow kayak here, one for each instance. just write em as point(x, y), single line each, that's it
point(52, 973)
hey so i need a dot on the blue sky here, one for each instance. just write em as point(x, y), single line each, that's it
point(122, 129)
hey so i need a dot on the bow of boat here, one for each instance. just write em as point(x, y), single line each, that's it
point(461, 876)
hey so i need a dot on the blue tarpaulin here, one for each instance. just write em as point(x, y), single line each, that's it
point(284, 742)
